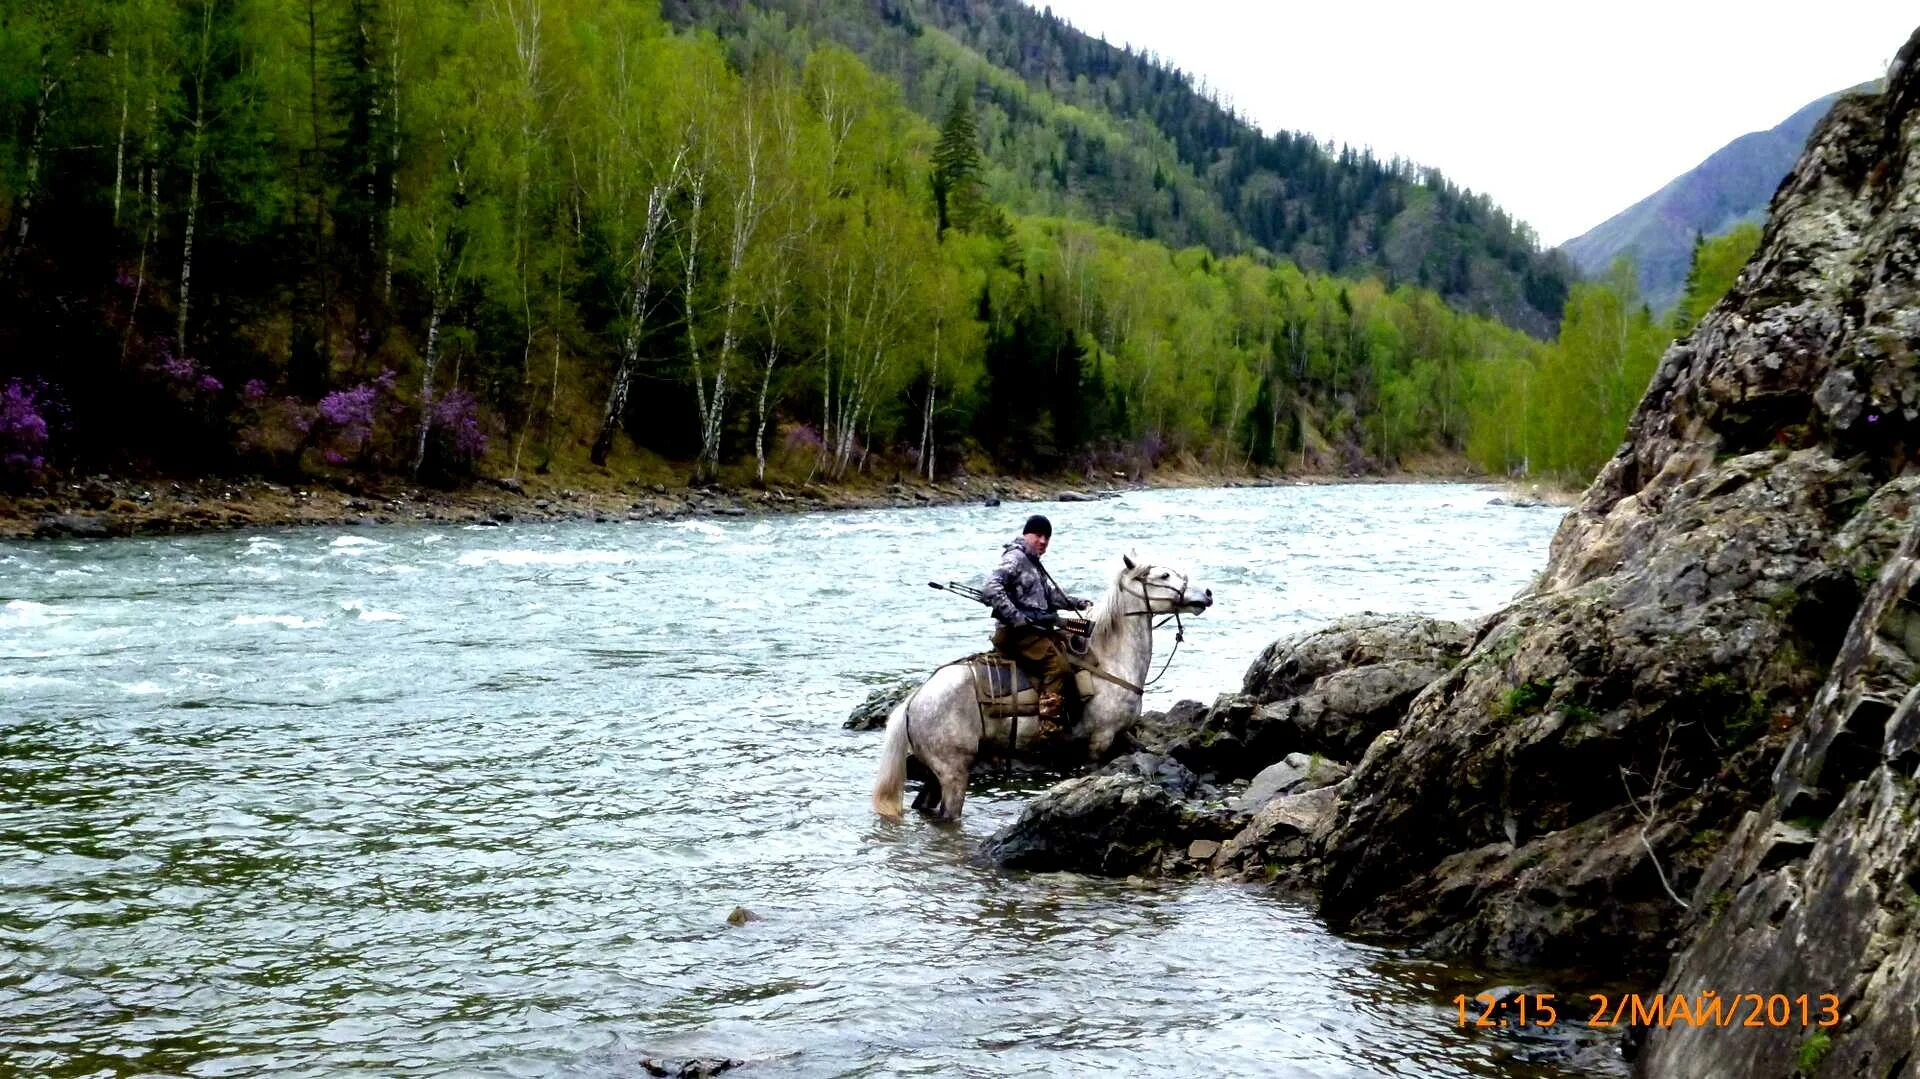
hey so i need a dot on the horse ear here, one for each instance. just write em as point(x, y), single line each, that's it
point(1127, 559)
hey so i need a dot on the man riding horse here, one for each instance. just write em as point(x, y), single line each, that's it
point(1024, 598)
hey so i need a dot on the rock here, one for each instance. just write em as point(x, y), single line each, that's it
point(689, 1067)
point(741, 916)
point(1828, 900)
point(508, 483)
point(991, 501)
point(1297, 773)
point(1668, 663)
point(1165, 772)
point(1283, 833)
point(500, 517)
point(1338, 715)
point(97, 495)
point(1291, 665)
point(1112, 824)
point(871, 714)
point(1201, 850)
point(1073, 496)
point(75, 526)
point(542, 504)
point(1155, 732)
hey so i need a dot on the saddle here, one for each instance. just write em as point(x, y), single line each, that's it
point(1004, 691)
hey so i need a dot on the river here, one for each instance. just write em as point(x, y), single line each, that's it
point(479, 800)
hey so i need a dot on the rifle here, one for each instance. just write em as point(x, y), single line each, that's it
point(1071, 621)
point(959, 589)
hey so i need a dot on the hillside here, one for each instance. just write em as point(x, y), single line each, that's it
point(1073, 125)
point(1730, 187)
point(416, 239)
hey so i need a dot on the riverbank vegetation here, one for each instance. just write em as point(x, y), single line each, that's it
point(414, 238)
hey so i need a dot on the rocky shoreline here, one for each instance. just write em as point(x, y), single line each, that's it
point(103, 506)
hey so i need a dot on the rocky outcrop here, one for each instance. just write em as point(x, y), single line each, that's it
point(1329, 691)
point(1333, 690)
point(1140, 814)
point(1557, 795)
point(871, 714)
point(1818, 892)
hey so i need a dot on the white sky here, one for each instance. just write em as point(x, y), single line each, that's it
point(1565, 113)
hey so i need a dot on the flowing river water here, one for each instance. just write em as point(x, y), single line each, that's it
point(464, 800)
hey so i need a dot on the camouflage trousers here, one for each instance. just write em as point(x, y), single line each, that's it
point(1043, 656)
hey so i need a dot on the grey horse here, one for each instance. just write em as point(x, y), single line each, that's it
point(940, 724)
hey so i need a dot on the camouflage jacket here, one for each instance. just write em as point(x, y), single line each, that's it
point(1018, 588)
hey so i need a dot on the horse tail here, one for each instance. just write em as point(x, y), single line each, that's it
point(892, 777)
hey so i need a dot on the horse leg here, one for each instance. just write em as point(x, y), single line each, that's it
point(953, 788)
point(929, 794)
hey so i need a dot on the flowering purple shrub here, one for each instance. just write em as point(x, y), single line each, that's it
point(351, 412)
point(23, 431)
point(456, 421)
point(799, 438)
point(254, 393)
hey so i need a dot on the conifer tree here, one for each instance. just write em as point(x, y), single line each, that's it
point(956, 167)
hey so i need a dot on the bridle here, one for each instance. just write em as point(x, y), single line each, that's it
point(1179, 627)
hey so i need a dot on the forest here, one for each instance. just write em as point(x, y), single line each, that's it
point(438, 238)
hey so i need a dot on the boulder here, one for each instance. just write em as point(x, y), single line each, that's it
point(1296, 773)
point(1283, 833)
point(871, 714)
point(75, 526)
point(1291, 665)
point(1154, 732)
point(1114, 823)
point(689, 1067)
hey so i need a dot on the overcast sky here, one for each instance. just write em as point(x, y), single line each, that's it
point(1564, 113)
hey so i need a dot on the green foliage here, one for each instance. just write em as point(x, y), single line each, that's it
point(1718, 904)
point(1524, 699)
point(1813, 1052)
point(1078, 127)
point(1579, 714)
point(1717, 262)
point(1810, 823)
point(1562, 411)
point(594, 224)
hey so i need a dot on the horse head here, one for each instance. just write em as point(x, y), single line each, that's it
point(1164, 589)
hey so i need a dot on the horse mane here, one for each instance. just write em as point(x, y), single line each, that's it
point(1107, 622)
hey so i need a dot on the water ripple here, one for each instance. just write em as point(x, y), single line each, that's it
point(480, 800)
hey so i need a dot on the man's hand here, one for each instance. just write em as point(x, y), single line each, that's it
point(1083, 604)
point(1043, 620)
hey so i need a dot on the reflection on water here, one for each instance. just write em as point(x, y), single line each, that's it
point(481, 799)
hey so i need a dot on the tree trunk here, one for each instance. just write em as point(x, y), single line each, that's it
point(639, 287)
point(193, 185)
point(393, 155)
point(926, 423)
point(151, 187)
point(48, 85)
point(120, 142)
point(426, 382)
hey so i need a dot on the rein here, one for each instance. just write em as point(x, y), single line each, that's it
point(1179, 635)
point(1179, 627)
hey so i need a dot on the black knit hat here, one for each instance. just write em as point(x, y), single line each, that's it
point(1038, 526)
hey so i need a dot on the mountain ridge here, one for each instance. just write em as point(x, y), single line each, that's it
point(1123, 139)
point(1730, 186)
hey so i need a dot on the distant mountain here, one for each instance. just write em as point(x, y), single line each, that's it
point(1731, 186)
point(1074, 126)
